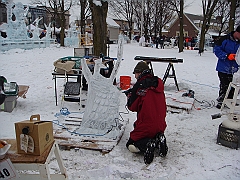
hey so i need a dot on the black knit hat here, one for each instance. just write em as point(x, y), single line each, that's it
point(140, 67)
point(238, 29)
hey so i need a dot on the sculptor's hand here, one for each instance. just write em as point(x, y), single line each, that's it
point(2, 143)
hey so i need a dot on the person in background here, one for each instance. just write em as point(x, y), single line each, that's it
point(161, 41)
point(157, 41)
point(225, 49)
point(172, 41)
point(147, 98)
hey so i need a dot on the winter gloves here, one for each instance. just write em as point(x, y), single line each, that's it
point(231, 57)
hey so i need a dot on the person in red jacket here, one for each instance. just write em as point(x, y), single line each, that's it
point(147, 98)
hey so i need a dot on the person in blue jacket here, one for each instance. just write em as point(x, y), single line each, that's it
point(225, 49)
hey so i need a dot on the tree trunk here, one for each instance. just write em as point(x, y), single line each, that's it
point(232, 15)
point(202, 39)
point(82, 17)
point(180, 46)
point(62, 32)
point(99, 15)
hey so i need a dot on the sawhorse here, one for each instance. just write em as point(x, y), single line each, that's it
point(170, 66)
point(173, 75)
point(40, 164)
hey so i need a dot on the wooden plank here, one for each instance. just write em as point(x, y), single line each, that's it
point(67, 141)
point(175, 100)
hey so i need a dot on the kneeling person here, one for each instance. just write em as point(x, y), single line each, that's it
point(147, 98)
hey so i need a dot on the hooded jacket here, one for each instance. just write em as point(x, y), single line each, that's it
point(147, 98)
point(225, 46)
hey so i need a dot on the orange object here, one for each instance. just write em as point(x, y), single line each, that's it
point(231, 56)
point(125, 82)
point(1, 145)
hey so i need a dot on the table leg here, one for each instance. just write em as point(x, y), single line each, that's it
point(166, 73)
point(59, 159)
point(55, 89)
point(175, 78)
point(44, 171)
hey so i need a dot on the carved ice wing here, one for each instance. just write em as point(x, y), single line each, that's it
point(97, 66)
point(86, 71)
point(119, 58)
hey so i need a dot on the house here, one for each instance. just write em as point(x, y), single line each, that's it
point(113, 30)
point(190, 27)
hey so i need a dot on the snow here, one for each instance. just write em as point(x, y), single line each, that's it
point(191, 137)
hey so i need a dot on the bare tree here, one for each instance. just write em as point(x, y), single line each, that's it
point(233, 5)
point(222, 15)
point(162, 15)
point(61, 14)
point(178, 6)
point(209, 6)
point(99, 15)
point(84, 14)
point(58, 9)
point(123, 9)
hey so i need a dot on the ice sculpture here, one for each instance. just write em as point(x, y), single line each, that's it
point(16, 31)
point(101, 116)
point(236, 76)
point(72, 36)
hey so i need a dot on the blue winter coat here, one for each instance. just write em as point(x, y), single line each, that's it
point(225, 46)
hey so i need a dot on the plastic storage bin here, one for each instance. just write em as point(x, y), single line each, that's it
point(11, 92)
point(228, 137)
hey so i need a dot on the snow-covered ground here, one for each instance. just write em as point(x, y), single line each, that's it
point(191, 137)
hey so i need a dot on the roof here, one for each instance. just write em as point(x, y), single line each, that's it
point(112, 23)
point(188, 16)
point(194, 17)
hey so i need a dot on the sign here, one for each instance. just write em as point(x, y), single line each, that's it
point(7, 170)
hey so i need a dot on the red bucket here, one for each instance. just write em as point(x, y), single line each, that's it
point(125, 82)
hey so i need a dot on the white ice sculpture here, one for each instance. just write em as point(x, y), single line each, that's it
point(17, 36)
point(236, 76)
point(101, 116)
point(36, 30)
point(17, 29)
point(72, 36)
point(48, 33)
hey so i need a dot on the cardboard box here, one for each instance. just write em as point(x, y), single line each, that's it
point(9, 104)
point(40, 131)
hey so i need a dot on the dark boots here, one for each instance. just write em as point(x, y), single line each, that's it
point(159, 143)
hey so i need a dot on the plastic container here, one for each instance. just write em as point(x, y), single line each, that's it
point(9, 104)
point(10, 88)
point(228, 137)
point(125, 82)
point(76, 59)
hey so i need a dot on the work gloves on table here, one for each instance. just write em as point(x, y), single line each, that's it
point(231, 57)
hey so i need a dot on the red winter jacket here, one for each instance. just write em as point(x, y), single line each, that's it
point(151, 112)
